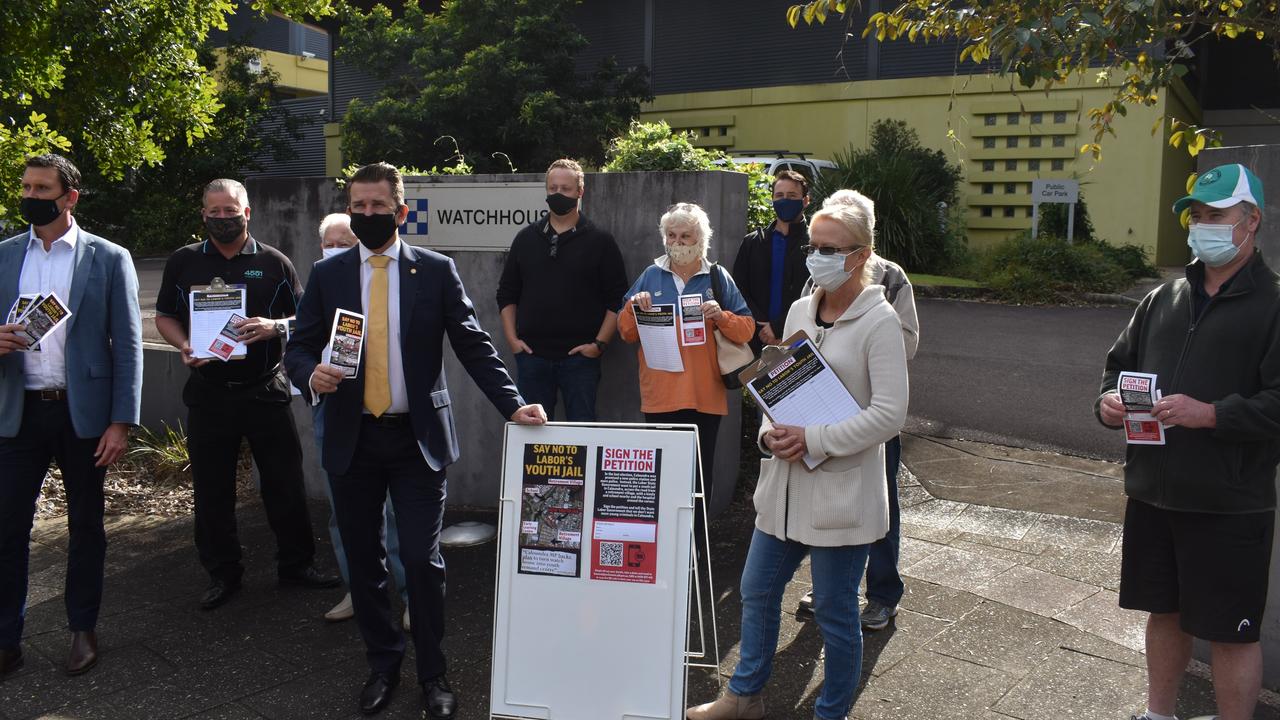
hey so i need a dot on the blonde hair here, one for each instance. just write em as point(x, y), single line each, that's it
point(855, 214)
point(687, 214)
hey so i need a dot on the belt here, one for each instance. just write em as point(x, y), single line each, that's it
point(386, 419)
point(54, 395)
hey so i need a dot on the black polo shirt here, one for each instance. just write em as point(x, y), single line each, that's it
point(272, 291)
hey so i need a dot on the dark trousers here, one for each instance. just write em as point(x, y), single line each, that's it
point(214, 433)
point(576, 377)
point(884, 583)
point(708, 428)
point(47, 434)
point(387, 459)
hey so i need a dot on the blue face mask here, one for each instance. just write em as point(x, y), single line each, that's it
point(1213, 243)
point(787, 210)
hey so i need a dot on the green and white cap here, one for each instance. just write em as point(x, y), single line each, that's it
point(1222, 187)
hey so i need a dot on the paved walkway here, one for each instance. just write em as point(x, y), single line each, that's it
point(1009, 613)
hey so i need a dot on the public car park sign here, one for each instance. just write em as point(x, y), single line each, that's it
point(470, 216)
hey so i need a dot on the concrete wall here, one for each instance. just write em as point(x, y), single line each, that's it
point(1264, 161)
point(287, 214)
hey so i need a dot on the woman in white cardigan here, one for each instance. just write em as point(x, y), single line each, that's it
point(835, 512)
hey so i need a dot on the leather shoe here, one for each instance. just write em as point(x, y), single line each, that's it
point(376, 692)
point(10, 659)
point(308, 577)
point(439, 698)
point(84, 652)
point(218, 593)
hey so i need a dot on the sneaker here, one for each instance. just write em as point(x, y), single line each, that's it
point(876, 616)
point(342, 611)
point(805, 608)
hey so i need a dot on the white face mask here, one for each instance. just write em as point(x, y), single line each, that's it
point(330, 252)
point(1213, 244)
point(828, 270)
point(684, 254)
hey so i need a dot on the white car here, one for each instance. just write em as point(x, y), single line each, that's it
point(773, 161)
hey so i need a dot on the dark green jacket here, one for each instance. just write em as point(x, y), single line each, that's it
point(1230, 357)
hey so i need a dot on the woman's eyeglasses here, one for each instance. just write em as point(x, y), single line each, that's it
point(811, 249)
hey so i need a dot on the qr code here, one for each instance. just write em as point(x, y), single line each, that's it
point(611, 554)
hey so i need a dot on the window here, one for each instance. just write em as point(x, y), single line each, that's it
point(1012, 118)
point(1036, 140)
point(1011, 141)
point(987, 188)
point(1037, 118)
point(988, 143)
point(1008, 212)
point(1059, 140)
point(1058, 165)
point(1059, 118)
point(988, 120)
point(988, 166)
point(1010, 188)
point(1030, 213)
point(1033, 165)
point(1011, 165)
point(986, 212)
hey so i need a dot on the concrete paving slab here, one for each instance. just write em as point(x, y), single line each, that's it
point(1023, 546)
point(1090, 644)
point(1075, 532)
point(1087, 566)
point(993, 551)
point(957, 568)
point(1035, 591)
point(1073, 685)
point(998, 522)
point(955, 690)
point(911, 550)
point(906, 634)
point(935, 514)
point(42, 688)
point(230, 711)
point(937, 601)
point(931, 534)
point(1102, 615)
point(914, 495)
point(998, 636)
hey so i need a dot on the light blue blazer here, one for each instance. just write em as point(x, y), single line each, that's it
point(104, 337)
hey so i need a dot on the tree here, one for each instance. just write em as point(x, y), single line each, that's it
point(154, 209)
point(498, 75)
point(109, 82)
point(1144, 43)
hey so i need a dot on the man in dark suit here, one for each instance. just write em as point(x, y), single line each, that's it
point(72, 398)
point(390, 428)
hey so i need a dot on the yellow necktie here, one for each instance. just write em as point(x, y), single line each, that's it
point(377, 382)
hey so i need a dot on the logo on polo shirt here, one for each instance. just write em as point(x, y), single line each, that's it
point(253, 274)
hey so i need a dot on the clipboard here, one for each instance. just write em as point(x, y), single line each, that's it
point(231, 348)
point(794, 385)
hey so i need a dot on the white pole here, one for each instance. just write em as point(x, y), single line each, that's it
point(1035, 219)
point(1071, 223)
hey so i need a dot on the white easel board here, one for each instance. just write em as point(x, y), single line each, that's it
point(592, 604)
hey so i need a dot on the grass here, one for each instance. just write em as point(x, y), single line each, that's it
point(942, 280)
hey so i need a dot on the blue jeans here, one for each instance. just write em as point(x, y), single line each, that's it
point(884, 584)
point(836, 573)
point(574, 376)
point(391, 538)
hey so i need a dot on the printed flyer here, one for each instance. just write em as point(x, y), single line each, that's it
point(1139, 394)
point(624, 534)
point(554, 481)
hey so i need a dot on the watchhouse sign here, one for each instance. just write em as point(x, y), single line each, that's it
point(470, 216)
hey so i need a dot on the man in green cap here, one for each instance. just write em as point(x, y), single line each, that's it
point(1201, 508)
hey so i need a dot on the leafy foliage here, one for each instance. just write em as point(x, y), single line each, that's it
point(497, 75)
point(655, 147)
point(113, 83)
point(154, 210)
point(163, 452)
point(907, 182)
point(1042, 270)
point(1131, 259)
point(1142, 43)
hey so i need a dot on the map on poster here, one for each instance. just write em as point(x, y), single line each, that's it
point(551, 509)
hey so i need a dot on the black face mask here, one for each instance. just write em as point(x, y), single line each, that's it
point(561, 204)
point(225, 230)
point(38, 211)
point(374, 231)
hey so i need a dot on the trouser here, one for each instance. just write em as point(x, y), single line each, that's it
point(884, 584)
point(47, 434)
point(214, 433)
point(708, 428)
point(387, 459)
point(836, 572)
point(575, 377)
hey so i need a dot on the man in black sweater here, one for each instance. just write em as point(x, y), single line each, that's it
point(770, 269)
point(560, 292)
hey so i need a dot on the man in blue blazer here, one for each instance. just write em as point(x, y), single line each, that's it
point(72, 398)
point(390, 427)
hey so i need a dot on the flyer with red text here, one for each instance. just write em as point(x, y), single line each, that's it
point(624, 533)
point(554, 481)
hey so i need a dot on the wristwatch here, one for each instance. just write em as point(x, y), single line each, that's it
point(600, 344)
point(282, 328)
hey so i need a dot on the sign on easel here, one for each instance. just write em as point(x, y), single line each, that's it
point(592, 609)
point(1054, 191)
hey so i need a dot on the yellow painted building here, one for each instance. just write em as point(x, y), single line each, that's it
point(1004, 139)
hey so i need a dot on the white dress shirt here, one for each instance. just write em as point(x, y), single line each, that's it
point(44, 272)
point(395, 364)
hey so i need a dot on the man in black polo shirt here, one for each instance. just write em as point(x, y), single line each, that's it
point(559, 294)
point(240, 398)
